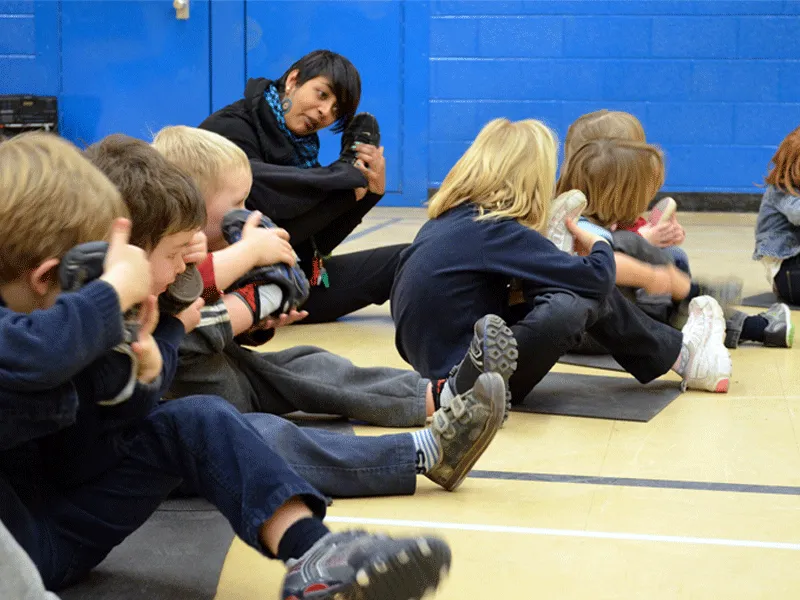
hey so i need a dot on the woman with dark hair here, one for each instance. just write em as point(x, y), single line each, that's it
point(276, 124)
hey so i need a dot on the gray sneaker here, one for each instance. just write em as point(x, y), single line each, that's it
point(780, 331)
point(465, 428)
point(493, 349)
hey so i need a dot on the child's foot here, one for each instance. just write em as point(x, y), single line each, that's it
point(568, 205)
point(460, 432)
point(780, 331)
point(356, 565)
point(493, 350)
point(705, 363)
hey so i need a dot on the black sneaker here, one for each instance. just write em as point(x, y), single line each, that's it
point(363, 129)
point(493, 350)
point(356, 565)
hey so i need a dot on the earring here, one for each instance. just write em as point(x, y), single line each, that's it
point(286, 105)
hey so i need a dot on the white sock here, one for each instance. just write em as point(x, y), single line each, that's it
point(270, 297)
point(446, 395)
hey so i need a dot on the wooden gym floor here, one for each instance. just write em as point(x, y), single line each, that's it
point(701, 502)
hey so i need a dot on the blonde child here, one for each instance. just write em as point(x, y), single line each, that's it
point(485, 229)
point(778, 224)
point(618, 177)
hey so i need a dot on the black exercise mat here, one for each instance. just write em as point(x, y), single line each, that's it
point(617, 398)
point(596, 361)
point(177, 555)
point(765, 300)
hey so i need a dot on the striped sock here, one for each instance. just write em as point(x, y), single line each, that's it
point(426, 449)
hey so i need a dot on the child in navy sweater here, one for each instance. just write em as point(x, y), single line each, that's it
point(70, 496)
point(484, 230)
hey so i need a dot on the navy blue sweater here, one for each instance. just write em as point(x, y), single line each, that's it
point(54, 367)
point(458, 269)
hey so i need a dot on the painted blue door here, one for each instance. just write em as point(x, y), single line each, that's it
point(29, 60)
point(371, 34)
point(130, 66)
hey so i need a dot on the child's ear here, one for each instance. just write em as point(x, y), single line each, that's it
point(45, 277)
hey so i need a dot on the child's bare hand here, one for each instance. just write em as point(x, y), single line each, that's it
point(197, 251)
point(660, 235)
point(283, 320)
point(146, 348)
point(584, 240)
point(190, 317)
point(126, 267)
point(270, 246)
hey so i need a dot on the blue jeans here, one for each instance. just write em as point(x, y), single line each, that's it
point(201, 440)
point(680, 258)
point(341, 465)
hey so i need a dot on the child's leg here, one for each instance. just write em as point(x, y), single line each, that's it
point(554, 325)
point(316, 381)
point(357, 466)
point(680, 258)
point(787, 281)
point(18, 575)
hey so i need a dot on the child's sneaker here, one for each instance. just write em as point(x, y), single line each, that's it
point(363, 129)
point(355, 565)
point(662, 211)
point(568, 205)
point(493, 350)
point(465, 428)
point(709, 366)
point(780, 331)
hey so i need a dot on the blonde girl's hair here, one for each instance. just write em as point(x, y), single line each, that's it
point(785, 171)
point(600, 124)
point(507, 172)
point(618, 178)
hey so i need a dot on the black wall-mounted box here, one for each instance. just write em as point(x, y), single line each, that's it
point(20, 113)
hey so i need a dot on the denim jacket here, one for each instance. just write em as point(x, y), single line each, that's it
point(778, 225)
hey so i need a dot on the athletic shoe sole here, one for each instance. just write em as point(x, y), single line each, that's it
point(412, 572)
point(499, 352)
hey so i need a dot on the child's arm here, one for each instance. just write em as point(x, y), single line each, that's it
point(654, 279)
point(789, 206)
point(45, 349)
point(519, 252)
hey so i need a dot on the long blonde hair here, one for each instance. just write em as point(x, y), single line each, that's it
point(618, 178)
point(599, 124)
point(508, 172)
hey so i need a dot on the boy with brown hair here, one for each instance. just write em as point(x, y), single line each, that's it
point(70, 497)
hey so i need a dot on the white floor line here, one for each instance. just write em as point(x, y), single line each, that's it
point(603, 535)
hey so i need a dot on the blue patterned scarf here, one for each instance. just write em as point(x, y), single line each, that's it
point(306, 146)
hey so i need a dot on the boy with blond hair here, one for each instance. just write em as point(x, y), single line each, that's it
point(69, 497)
point(307, 378)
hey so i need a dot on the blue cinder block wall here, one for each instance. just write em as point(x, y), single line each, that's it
point(715, 83)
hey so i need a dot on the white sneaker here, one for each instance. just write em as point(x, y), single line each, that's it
point(709, 366)
point(662, 211)
point(568, 205)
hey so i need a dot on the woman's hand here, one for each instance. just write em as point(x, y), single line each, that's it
point(372, 165)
